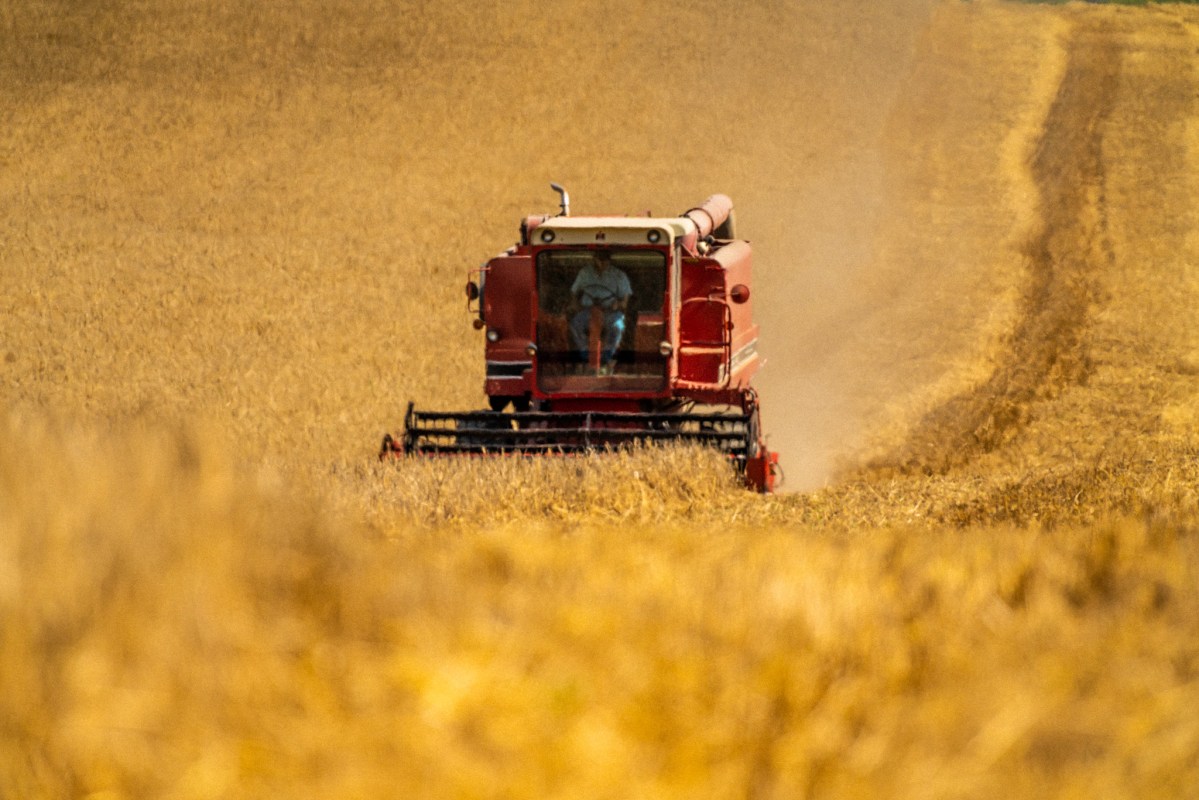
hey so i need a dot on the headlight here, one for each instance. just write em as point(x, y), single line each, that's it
point(531, 350)
point(493, 335)
point(665, 348)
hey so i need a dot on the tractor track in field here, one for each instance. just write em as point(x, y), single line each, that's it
point(1047, 349)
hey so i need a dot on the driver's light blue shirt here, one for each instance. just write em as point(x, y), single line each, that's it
point(601, 288)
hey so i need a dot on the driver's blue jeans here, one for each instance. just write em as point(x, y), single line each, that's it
point(613, 332)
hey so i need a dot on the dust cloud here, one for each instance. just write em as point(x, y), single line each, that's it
point(816, 234)
point(810, 314)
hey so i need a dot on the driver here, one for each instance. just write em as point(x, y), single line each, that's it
point(603, 285)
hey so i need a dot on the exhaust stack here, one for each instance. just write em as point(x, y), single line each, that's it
point(564, 199)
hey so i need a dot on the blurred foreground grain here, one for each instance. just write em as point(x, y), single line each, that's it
point(177, 629)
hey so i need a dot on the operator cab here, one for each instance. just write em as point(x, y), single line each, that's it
point(601, 319)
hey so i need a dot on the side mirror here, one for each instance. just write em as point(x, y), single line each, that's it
point(472, 290)
point(739, 293)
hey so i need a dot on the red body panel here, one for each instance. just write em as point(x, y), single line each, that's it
point(507, 307)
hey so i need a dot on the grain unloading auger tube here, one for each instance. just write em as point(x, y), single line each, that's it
point(604, 332)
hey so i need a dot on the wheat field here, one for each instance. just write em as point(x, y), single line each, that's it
point(232, 248)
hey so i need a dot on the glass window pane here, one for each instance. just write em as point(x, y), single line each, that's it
point(601, 319)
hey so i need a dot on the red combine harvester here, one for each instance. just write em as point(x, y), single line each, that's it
point(605, 331)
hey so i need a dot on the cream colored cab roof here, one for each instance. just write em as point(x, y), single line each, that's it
point(612, 230)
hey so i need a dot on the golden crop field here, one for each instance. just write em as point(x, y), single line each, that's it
point(232, 247)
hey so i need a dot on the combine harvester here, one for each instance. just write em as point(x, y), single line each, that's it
point(602, 332)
